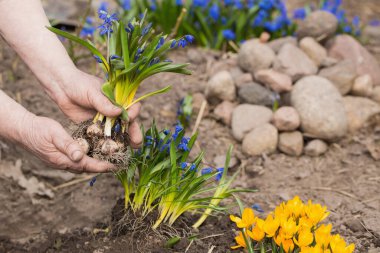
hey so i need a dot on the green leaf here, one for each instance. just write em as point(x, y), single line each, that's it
point(124, 45)
point(164, 90)
point(108, 91)
point(84, 43)
point(172, 241)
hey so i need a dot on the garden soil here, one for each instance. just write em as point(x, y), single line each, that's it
point(61, 216)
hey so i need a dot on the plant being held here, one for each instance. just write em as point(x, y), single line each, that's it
point(293, 227)
point(134, 53)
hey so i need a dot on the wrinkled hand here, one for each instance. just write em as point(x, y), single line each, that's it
point(79, 96)
point(49, 141)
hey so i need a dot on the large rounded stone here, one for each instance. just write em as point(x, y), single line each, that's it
point(256, 94)
point(363, 86)
point(246, 117)
point(277, 44)
point(319, 25)
point(260, 140)
point(294, 62)
point(320, 107)
point(347, 47)
point(291, 143)
point(342, 75)
point(254, 55)
point(221, 87)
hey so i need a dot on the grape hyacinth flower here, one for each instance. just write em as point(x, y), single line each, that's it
point(106, 27)
point(299, 13)
point(206, 171)
point(229, 34)
point(219, 174)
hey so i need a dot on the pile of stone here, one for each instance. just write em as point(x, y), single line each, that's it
point(327, 85)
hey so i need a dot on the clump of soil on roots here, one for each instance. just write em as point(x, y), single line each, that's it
point(113, 149)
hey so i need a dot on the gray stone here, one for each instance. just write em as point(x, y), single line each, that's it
point(221, 87)
point(223, 111)
point(363, 86)
point(314, 50)
point(316, 148)
point(320, 107)
point(347, 47)
point(195, 56)
point(254, 93)
point(291, 143)
point(278, 82)
point(277, 44)
point(260, 140)
point(286, 118)
point(342, 75)
point(319, 25)
point(359, 111)
point(294, 62)
point(246, 117)
point(355, 225)
point(328, 62)
point(254, 55)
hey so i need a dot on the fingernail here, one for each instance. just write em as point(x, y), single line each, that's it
point(76, 155)
point(115, 108)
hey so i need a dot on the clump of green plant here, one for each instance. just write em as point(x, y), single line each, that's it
point(134, 53)
point(164, 178)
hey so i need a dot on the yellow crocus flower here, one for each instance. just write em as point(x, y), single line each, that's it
point(305, 238)
point(323, 235)
point(247, 219)
point(287, 244)
point(315, 212)
point(289, 228)
point(257, 232)
point(240, 242)
point(305, 223)
point(271, 225)
point(296, 206)
point(338, 245)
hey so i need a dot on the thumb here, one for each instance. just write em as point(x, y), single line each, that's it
point(71, 148)
point(102, 104)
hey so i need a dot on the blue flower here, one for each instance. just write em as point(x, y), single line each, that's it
point(200, 3)
point(154, 61)
point(178, 2)
point(192, 167)
point(114, 56)
point(183, 144)
point(97, 58)
point(117, 128)
point(92, 182)
point(214, 12)
point(356, 21)
point(229, 34)
point(206, 171)
point(228, 2)
point(149, 140)
point(183, 165)
point(189, 38)
point(103, 7)
point(126, 4)
point(146, 29)
point(106, 27)
point(258, 208)
point(88, 29)
point(166, 131)
point(174, 43)
point(178, 129)
point(299, 13)
point(219, 174)
point(239, 4)
point(374, 22)
point(160, 43)
point(347, 29)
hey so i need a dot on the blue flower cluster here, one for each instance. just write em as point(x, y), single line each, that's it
point(106, 27)
point(88, 28)
point(218, 171)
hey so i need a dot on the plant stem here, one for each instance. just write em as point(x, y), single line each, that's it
point(108, 127)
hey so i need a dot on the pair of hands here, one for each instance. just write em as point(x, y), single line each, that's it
point(79, 97)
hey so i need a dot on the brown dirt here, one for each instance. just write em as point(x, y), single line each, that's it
point(346, 179)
